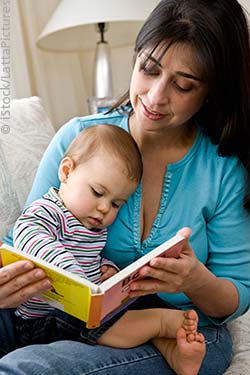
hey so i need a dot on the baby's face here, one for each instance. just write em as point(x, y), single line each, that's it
point(96, 189)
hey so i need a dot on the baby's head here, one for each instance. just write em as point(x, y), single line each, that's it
point(100, 170)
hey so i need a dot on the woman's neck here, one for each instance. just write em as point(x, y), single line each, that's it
point(170, 145)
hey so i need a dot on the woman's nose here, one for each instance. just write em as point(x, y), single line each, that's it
point(158, 94)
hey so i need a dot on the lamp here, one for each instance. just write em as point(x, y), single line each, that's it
point(72, 26)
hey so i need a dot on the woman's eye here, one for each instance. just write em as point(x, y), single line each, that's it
point(149, 69)
point(182, 89)
point(150, 72)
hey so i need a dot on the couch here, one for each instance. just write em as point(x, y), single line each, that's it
point(20, 152)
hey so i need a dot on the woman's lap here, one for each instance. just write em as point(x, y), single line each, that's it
point(7, 332)
point(75, 358)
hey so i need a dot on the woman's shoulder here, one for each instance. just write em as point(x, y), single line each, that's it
point(65, 135)
point(210, 155)
point(77, 124)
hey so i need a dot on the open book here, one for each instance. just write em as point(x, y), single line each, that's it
point(85, 300)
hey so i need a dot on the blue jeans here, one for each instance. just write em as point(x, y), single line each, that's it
point(16, 332)
point(76, 358)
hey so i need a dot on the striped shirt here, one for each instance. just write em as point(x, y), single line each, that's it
point(48, 231)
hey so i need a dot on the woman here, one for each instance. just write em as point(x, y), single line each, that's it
point(188, 110)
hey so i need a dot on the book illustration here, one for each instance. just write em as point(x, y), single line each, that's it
point(85, 300)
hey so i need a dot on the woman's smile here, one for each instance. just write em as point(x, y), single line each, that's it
point(150, 114)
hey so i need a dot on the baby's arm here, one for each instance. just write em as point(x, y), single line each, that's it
point(34, 233)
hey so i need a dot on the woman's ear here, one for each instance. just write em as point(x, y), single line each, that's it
point(66, 166)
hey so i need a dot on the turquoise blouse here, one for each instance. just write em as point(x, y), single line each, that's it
point(203, 191)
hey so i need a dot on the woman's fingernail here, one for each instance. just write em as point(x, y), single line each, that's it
point(28, 266)
point(39, 273)
point(46, 284)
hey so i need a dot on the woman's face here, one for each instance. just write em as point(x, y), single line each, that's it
point(167, 92)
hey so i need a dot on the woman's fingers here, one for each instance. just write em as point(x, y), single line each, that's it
point(185, 232)
point(168, 275)
point(15, 299)
point(10, 271)
point(20, 281)
point(142, 288)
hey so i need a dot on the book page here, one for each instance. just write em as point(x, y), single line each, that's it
point(116, 289)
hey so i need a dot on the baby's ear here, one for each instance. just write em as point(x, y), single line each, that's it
point(66, 166)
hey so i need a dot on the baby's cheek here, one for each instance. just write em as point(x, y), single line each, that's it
point(112, 216)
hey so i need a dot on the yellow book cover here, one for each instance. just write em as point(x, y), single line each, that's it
point(69, 293)
point(83, 299)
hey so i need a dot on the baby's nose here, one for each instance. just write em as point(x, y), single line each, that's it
point(103, 206)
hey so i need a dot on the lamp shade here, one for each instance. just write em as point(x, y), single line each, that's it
point(71, 27)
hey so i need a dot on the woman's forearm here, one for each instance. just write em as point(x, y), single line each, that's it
point(214, 296)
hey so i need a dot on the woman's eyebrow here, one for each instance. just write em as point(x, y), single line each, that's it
point(180, 73)
point(150, 57)
point(187, 75)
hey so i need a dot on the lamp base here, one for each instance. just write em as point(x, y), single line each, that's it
point(103, 86)
point(98, 105)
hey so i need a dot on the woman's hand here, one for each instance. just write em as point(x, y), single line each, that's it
point(168, 275)
point(20, 281)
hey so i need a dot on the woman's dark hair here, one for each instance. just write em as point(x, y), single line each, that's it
point(217, 30)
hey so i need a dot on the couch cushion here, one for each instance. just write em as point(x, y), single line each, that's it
point(20, 152)
point(240, 331)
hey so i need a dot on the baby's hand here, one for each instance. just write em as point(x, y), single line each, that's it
point(107, 272)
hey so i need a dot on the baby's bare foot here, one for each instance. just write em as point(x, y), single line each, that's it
point(189, 353)
point(190, 322)
point(184, 356)
point(171, 320)
point(185, 353)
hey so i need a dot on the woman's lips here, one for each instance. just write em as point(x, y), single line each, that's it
point(152, 115)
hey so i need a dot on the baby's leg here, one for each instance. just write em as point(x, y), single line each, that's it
point(136, 327)
point(185, 353)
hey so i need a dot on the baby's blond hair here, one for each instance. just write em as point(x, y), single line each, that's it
point(111, 139)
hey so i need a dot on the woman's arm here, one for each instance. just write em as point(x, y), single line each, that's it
point(47, 173)
point(189, 276)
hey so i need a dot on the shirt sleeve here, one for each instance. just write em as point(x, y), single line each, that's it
point(33, 235)
point(107, 262)
point(228, 233)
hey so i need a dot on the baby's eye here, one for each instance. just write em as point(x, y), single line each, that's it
point(115, 205)
point(96, 193)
